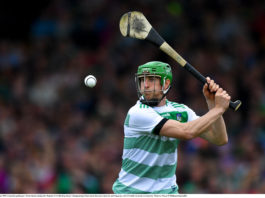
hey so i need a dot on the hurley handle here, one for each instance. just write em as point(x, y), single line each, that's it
point(233, 105)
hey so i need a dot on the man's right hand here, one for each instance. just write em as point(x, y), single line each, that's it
point(222, 99)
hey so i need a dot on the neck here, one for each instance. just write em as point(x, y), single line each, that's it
point(162, 102)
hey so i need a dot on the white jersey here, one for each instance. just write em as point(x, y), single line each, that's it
point(149, 161)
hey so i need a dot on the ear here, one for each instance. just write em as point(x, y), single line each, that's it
point(167, 83)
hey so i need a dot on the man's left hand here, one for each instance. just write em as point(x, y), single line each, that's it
point(209, 90)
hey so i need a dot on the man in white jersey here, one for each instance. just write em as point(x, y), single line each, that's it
point(154, 126)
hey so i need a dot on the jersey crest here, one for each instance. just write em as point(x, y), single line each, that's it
point(178, 117)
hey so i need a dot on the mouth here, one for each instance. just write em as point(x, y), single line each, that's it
point(147, 92)
point(149, 95)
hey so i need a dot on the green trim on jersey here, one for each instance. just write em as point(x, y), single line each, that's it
point(143, 106)
point(127, 119)
point(119, 188)
point(176, 105)
point(152, 172)
point(151, 144)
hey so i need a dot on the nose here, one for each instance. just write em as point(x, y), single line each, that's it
point(146, 83)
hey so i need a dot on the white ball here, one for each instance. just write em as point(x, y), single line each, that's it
point(90, 81)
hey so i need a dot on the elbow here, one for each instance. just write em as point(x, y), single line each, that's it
point(188, 134)
point(223, 142)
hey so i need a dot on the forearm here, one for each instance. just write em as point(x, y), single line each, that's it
point(219, 131)
point(209, 120)
point(216, 133)
point(215, 96)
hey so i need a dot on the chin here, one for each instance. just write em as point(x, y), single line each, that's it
point(148, 98)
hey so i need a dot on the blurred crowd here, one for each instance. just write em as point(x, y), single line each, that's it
point(58, 136)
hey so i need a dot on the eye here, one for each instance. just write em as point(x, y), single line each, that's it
point(151, 78)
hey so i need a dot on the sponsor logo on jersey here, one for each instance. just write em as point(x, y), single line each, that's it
point(166, 115)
